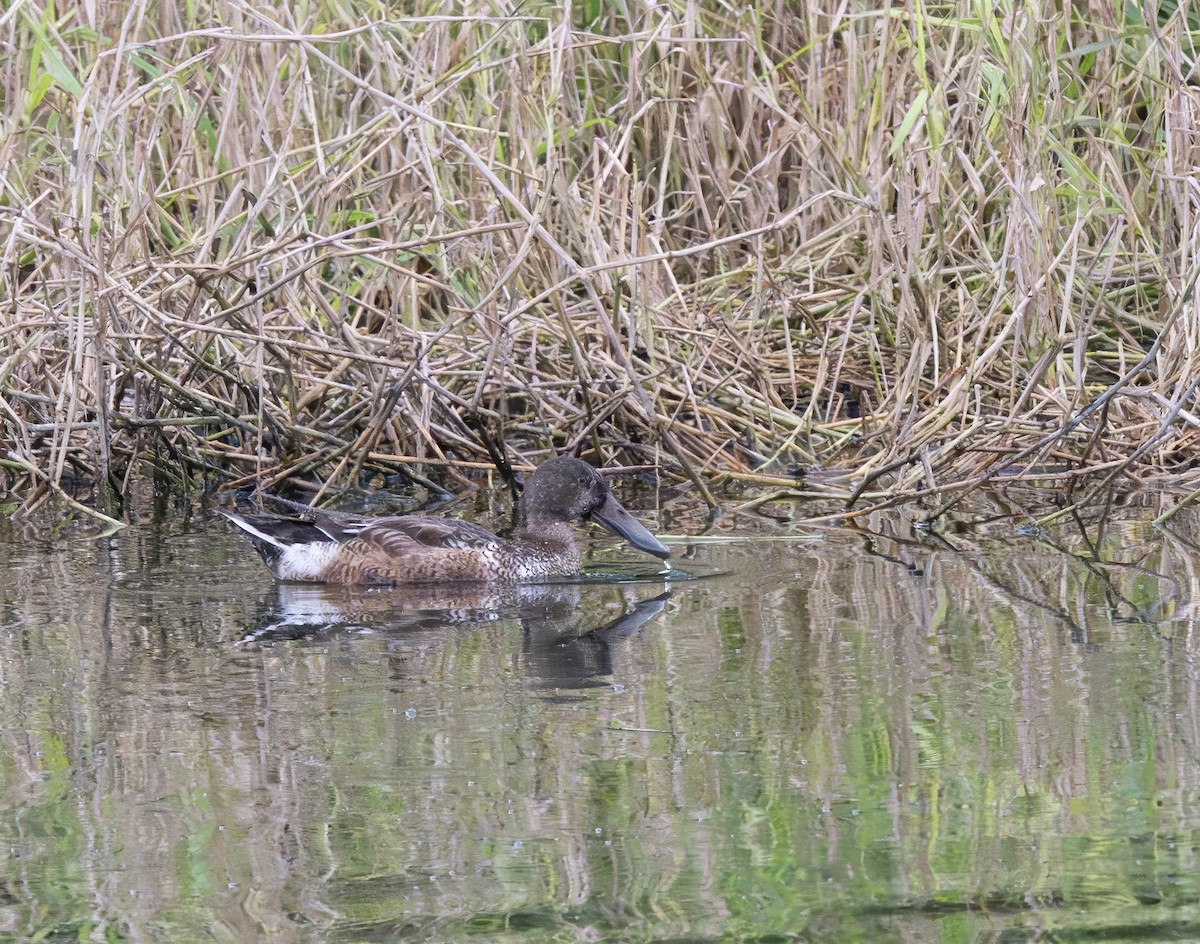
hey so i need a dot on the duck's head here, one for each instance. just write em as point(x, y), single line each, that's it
point(569, 490)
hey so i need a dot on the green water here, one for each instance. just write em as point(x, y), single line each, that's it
point(830, 736)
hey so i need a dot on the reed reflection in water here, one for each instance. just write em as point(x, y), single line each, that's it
point(830, 734)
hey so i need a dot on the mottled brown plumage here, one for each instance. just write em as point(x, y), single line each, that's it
point(325, 547)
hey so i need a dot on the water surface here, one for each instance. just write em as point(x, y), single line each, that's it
point(831, 735)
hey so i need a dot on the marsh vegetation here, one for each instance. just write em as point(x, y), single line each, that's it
point(846, 250)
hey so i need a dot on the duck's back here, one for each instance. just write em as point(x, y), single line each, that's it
point(324, 548)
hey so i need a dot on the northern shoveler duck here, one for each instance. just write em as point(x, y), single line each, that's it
point(325, 547)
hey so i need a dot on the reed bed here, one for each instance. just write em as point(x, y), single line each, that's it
point(857, 251)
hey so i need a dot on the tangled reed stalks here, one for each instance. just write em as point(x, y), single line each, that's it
point(856, 251)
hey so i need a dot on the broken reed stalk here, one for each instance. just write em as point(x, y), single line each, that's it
point(899, 250)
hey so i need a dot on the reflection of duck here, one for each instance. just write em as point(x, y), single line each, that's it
point(315, 612)
point(572, 634)
point(324, 547)
point(573, 659)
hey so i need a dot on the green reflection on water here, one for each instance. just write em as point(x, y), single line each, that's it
point(823, 742)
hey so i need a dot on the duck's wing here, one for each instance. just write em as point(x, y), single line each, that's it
point(327, 547)
point(412, 533)
point(412, 549)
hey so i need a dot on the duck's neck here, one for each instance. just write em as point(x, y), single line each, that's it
point(550, 534)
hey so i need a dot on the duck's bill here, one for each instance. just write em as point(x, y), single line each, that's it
point(620, 522)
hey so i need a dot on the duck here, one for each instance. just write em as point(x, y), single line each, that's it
point(316, 546)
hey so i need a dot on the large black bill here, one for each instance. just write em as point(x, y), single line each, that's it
point(614, 517)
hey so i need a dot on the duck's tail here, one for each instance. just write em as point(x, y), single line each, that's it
point(292, 547)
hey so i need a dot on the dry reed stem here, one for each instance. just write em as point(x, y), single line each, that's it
point(912, 249)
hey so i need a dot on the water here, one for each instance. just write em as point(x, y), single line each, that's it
point(827, 736)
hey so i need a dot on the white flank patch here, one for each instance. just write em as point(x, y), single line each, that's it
point(305, 561)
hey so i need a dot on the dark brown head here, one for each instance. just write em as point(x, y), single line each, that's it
point(569, 490)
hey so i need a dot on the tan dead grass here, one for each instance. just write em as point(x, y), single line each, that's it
point(897, 250)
